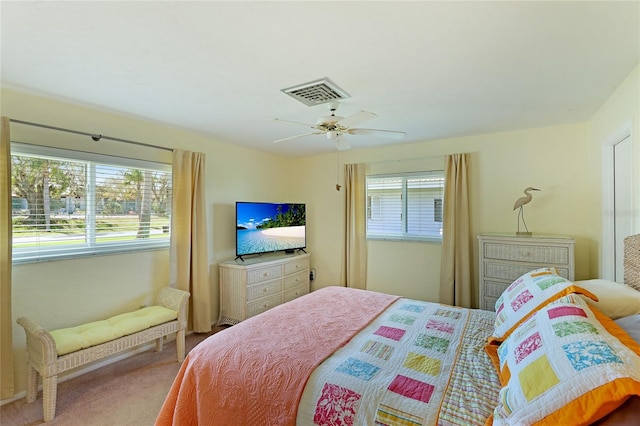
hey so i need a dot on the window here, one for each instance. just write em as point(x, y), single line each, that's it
point(69, 203)
point(405, 206)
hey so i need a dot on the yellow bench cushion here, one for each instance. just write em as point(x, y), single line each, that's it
point(94, 333)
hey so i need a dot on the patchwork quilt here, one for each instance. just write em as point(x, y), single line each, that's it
point(418, 363)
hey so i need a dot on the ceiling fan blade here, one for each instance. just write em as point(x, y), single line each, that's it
point(342, 145)
point(356, 118)
point(392, 134)
point(298, 136)
point(294, 122)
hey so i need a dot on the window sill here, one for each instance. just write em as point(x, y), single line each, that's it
point(102, 251)
point(409, 239)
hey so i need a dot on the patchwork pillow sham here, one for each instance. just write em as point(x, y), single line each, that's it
point(562, 366)
point(526, 295)
point(616, 300)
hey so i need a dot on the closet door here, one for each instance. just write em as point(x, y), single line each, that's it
point(623, 201)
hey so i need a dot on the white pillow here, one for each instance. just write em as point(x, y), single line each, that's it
point(631, 325)
point(615, 300)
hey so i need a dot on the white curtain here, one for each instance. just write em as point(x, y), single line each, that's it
point(189, 260)
point(456, 265)
point(354, 261)
point(6, 324)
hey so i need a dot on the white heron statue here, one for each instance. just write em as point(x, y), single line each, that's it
point(520, 202)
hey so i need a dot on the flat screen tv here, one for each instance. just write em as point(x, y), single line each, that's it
point(269, 227)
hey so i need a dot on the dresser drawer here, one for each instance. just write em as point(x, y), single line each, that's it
point(295, 266)
point(268, 288)
point(258, 306)
point(264, 274)
point(527, 253)
point(512, 271)
point(296, 292)
point(254, 285)
point(494, 288)
point(489, 303)
point(294, 280)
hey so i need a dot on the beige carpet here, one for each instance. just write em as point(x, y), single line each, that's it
point(129, 392)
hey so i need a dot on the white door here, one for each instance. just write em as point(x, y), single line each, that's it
point(623, 207)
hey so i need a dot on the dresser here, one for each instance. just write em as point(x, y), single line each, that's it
point(260, 283)
point(504, 258)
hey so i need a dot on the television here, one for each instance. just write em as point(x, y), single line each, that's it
point(269, 227)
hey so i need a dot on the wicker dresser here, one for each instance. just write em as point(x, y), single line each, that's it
point(504, 258)
point(260, 283)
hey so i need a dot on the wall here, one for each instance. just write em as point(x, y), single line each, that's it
point(502, 165)
point(564, 161)
point(64, 293)
point(622, 106)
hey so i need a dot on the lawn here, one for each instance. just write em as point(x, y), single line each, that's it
point(72, 230)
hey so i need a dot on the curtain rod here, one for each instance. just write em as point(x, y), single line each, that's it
point(407, 160)
point(94, 136)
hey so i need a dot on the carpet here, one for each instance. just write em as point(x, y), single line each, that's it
point(129, 392)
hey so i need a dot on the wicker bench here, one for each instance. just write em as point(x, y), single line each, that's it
point(43, 355)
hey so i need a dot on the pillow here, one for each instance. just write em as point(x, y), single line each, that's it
point(526, 295)
point(615, 300)
point(562, 366)
point(631, 325)
point(94, 333)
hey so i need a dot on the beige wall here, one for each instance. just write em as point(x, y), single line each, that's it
point(564, 161)
point(65, 293)
point(502, 165)
point(622, 106)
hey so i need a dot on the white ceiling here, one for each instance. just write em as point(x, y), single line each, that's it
point(432, 69)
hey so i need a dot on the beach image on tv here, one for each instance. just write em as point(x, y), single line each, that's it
point(265, 227)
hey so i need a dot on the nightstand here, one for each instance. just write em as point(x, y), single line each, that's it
point(504, 258)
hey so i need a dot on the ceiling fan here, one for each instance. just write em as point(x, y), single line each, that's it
point(335, 126)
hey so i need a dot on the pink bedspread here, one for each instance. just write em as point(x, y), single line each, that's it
point(254, 373)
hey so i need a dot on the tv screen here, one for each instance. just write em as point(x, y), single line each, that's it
point(269, 227)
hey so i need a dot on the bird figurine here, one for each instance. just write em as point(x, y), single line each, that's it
point(520, 202)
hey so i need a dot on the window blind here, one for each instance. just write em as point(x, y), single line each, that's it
point(406, 206)
point(66, 203)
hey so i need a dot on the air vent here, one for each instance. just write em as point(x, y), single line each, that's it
point(316, 92)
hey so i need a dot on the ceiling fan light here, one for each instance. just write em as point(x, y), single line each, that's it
point(332, 135)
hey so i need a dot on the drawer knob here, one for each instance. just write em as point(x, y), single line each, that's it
point(266, 274)
point(265, 289)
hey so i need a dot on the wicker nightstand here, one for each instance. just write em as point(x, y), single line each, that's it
point(504, 258)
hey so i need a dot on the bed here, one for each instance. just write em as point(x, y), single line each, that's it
point(554, 352)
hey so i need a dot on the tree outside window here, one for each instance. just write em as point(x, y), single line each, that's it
point(65, 206)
